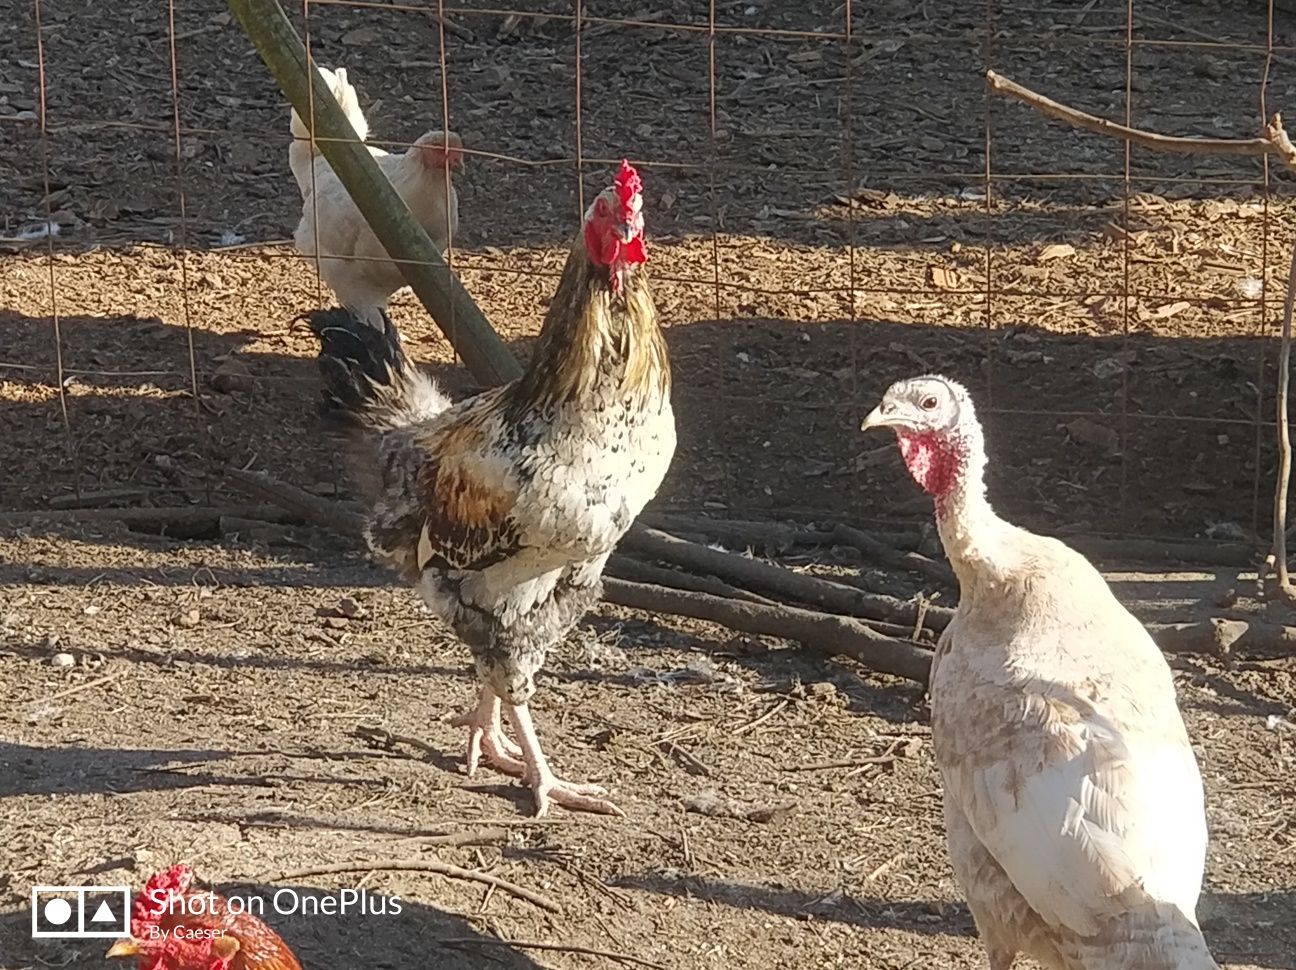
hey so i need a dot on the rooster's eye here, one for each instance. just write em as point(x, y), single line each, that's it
point(929, 403)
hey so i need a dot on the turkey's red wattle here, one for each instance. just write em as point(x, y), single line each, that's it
point(934, 461)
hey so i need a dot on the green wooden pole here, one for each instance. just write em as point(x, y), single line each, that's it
point(454, 311)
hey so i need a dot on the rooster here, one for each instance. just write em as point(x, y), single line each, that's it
point(351, 259)
point(1073, 802)
point(503, 508)
point(168, 934)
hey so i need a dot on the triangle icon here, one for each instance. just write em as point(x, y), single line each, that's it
point(103, 914)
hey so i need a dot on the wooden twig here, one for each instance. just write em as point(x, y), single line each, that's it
point(88, 500)
point(1196, 552)
point(776, 581)
point(830, 633)
point(1277, 560)
point(148, 518)
point(1223, 638)
point(555, 947)
point(937, 572)
point(419, 865)
point(626, 567)
point(1274, 141)
point(459, 30)
point(97, 682)
point(771, 537)
point(312, 508)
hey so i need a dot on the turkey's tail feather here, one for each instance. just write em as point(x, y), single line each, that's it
point(302, 152)
point(369, 383)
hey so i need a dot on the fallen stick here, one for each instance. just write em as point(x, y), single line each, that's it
point(1274, 140)
point(312, 508)
point(1186, 552)
point(766, 578)
point(1277, 558)
point(142, 517)
point(770, 537)
point(420, 865)
point(1224, 638)
point(88, 500)
point(830, 633)
point(624, 567)
point(880, 552)
point(555, 947)
point(774, 537)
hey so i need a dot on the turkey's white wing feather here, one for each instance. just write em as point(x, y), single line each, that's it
point(1088, 796)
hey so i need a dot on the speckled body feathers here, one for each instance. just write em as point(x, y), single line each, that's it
point(504, 507)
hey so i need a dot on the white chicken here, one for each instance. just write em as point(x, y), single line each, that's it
point(1073, 802)
point(351, 259)
point(303, 154)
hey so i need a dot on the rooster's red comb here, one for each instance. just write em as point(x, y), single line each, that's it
point(153, 899)
point(627, 183)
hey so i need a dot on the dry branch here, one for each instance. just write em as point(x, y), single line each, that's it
point(776, 581)
point(1274, 141)
point(624, 567)
point(454, 311)
point(311, 508)
point(827, 632)
point(1163, 550)
point(1277, 559)
point(143, 518)
point(880, 552)
point(1224, 637)
point(420, 865)
point(773, 537)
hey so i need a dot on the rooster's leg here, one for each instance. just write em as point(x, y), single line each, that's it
point(486, 737)
point(544, 783)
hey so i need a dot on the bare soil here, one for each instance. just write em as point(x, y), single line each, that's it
point(828, 228)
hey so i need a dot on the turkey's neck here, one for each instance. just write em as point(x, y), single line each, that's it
point(951, 468)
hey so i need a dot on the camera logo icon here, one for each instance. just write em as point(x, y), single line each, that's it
point(80, 912)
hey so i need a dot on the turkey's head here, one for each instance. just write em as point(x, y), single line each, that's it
point(937, 429)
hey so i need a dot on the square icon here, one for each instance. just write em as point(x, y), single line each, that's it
point(80, 912)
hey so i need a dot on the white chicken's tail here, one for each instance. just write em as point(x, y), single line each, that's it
point(302, 151)
point(369, 383)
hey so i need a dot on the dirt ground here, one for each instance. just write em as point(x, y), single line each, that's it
point(821, 224)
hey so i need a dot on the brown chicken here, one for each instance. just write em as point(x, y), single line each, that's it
point(177, 927)
point(502, 509)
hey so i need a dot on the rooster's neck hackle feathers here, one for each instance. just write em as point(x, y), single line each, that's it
point(602, 323)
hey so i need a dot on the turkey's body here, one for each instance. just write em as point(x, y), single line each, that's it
point(1073, 804)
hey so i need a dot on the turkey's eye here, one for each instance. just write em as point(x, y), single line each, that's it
point(929, 403)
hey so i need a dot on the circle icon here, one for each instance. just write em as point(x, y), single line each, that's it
point(58, 911)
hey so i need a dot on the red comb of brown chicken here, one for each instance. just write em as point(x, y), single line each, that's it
point(175, 927)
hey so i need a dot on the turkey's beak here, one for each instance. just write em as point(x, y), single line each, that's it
point(875, 419)
point(124, 948)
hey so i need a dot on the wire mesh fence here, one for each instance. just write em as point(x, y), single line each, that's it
point(834, 201)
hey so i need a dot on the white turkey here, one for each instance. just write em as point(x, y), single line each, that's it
point(1073, 803)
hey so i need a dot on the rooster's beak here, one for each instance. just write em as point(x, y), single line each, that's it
point(875, 419)
point(124, 948)
point(626, 232)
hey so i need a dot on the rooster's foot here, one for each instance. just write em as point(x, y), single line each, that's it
point(577, 797)
point(544, 784)
point(486, 737)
